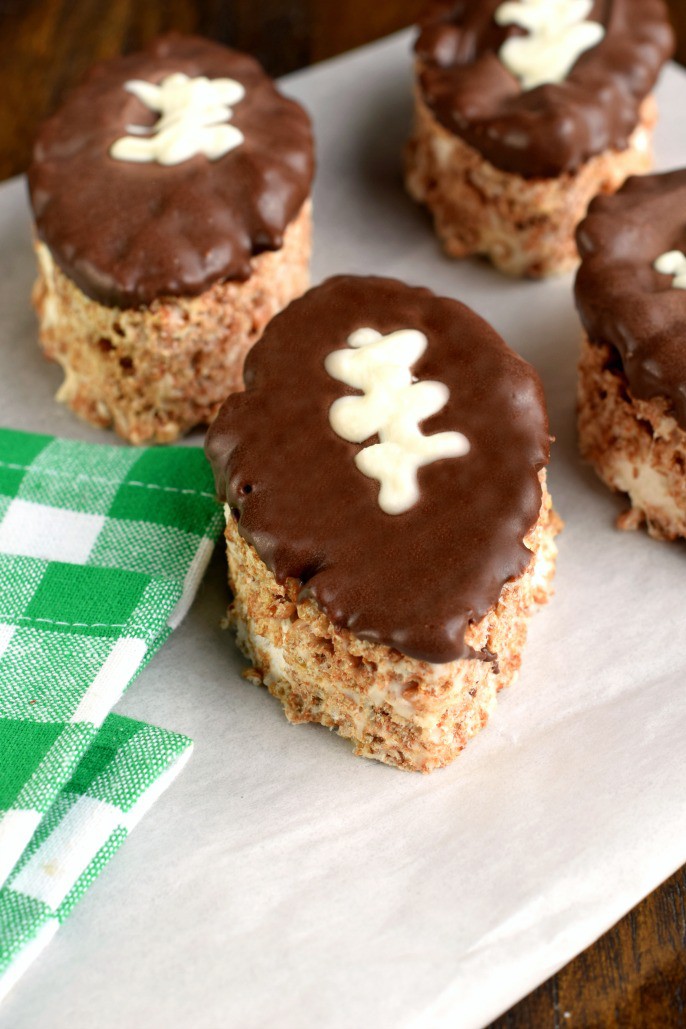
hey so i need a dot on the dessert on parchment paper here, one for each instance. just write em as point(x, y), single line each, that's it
point(171, 199)
point(631, 295)
point(389, 530)
point(524, 111)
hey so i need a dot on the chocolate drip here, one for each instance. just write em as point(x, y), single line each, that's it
point(128, 233)
point(621, 298)
point(554, 128)
point(413, 581)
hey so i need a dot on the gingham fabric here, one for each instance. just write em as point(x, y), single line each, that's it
point(101, 552)
point(123, 772)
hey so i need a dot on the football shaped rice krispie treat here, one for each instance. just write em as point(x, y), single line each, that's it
point(171, 199)
point(389, 530)
point(524, 111)
point(631, 295)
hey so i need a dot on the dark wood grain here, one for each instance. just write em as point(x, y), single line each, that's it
point(340, 25)
point(635, 975)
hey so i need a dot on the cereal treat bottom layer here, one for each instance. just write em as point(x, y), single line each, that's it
point(524, 226)
point(406, 712)
point(635, 446)
point(154, 372)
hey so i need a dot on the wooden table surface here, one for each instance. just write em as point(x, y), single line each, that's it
point(635, 975)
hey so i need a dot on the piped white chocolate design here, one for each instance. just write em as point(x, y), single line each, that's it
point(558, 35)
point(193, 116)
point(672, 262)
point(392, 406)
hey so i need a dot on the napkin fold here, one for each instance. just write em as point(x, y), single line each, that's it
point(102, 550)
point(124, 771)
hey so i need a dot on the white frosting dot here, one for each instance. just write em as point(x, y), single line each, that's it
point(391, 406)
point(673, 262)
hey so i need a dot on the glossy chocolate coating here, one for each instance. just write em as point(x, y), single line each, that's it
point(412, 581)
point(553, 128)
point(621, 298)
point(128, 233)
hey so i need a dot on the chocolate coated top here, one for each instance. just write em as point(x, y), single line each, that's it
point(553, 128)
point(622, 299)
point(412, 581)
point(127, 233)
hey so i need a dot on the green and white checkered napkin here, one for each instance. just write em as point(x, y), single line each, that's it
point(101, 552)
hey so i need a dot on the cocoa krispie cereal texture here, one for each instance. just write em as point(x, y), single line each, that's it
point(631, 295)
point(525, 227)
point(636, 446)
point(389, 528)
point(409, 713)
point(153, 373)
point(171, 199)
point(517, 126)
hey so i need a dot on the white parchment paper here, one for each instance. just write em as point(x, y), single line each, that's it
point(282, 881)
